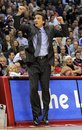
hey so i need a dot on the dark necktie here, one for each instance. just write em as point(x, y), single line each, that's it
point(38, 46)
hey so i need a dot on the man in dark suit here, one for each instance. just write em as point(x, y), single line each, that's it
point(39, 65)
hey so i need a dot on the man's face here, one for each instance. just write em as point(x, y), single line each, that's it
point(20, 34)
point(11, 56)
point(38, 20)
point(22, 55)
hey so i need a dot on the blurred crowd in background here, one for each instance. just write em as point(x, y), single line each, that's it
point(67, 50)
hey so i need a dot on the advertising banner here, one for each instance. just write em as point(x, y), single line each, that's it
point(65, 103)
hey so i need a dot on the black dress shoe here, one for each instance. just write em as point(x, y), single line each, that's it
point(45, 120)
point(36, 121)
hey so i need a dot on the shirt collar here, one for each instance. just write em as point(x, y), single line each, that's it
point(42, 29)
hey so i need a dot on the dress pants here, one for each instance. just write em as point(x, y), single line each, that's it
point(39, 71)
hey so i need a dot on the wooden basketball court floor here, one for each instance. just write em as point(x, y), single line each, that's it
point(70, 127)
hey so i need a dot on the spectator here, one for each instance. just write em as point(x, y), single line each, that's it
point(62, 54)
point(77, 60)
point(21, 55)
point(15, 47)
point(22, 40)
point(69, 69)
point(3, 62)
point(76, 29)
point(56, 69)
point(67, 46)
point(11, 70)
point(21, 69)
point(74, 47)
point(58, 43)
point(10, 57)
point(71, 35)
point(80, 32)
point(7, 44)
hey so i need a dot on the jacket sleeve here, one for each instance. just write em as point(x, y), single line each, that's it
point(63, 32)
point(25, 28)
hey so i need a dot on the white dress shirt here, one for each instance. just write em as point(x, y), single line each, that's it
point(22, 41)
point(44, 42)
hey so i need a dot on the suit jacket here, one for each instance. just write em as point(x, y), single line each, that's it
point(31, 30)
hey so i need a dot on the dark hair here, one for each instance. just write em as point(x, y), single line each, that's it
point(67, 39)
point(21, 48)
point(77, 52)
point(10, 51)
point(39, 12)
